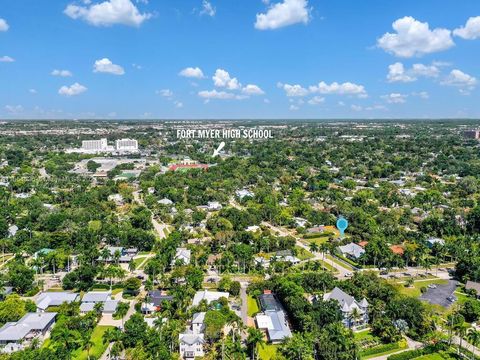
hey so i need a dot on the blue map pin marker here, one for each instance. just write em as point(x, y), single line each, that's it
point(342, 225)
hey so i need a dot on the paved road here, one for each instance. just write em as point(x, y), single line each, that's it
point(341, 271)
point(159, 228)
point(244, 308)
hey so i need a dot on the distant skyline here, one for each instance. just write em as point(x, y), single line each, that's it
point(213, 59)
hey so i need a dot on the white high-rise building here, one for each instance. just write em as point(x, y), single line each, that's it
point(95, 145)
point(126, 145)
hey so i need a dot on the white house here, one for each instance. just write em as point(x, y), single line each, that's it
point(183, 255)
point(165, 201)
point(191, 345)
point(208, 296)
point(214, 206)
point(198, 320)
point(355, 313)
point(31, 325)
point(91, 298)
point(351, 250)
point(47, 299)
point(300, 222)
point(244, 193)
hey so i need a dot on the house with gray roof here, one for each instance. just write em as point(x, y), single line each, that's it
point(273, 320)
point(183, 255)
point(198, 325)
point(352, 251)
point(192, 340)
point(432, 241)
point(47, 299)
point(474, 286)
point(30, 326)
point(191, 345)
point(355, 313)
point(91, 298)
point(275, 324)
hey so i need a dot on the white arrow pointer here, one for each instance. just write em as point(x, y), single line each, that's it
point(217, 151)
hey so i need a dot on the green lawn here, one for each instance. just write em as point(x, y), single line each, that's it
point(116, 291)
point(401, 345)
point(338, 262)
point(363, 335)
point(267, 352)
point(142, 266)
point(252, 306)
point(138, 260)
point(434, 356)
point(317, 240)
point(97, 350)
point(303, 254)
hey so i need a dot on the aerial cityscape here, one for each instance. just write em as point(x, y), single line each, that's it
point(239, 180)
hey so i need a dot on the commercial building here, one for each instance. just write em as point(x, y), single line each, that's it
point(126, 145)
point(95, 145)
point(472, 134)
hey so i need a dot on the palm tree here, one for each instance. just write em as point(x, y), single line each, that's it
point(255, 339)
point(37, 264)
point(131, 266)
point(313, 247)
point(353, 317)
point(116, 256)
point(105, 255)
point(473, 337)
point(461, 330)
point(87, 344)
point(122, 310)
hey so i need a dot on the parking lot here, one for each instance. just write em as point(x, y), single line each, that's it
point(440, 294)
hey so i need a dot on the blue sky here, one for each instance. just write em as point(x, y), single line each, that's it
point(239, 58)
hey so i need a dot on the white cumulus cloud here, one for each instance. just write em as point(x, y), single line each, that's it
point(106, 66)
point(192, 72)
point(471, 30)
point(108, 13)
point(165, 93)
point(285, 13)
point(252, 89)
point(7, 59)
point(460, 79)
point(223, 79)
point(346, 88)
point(208, 9)
point(61, 73)
point(293, 90)
point(395, 98)
point(414, 38)
point(398, 73)
point(4, 25)
point(14, 109)
point(316, 100)
point(75, 89)
point(214, 94)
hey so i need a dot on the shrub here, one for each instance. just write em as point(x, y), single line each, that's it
point(380, 349)
point(412, 354)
